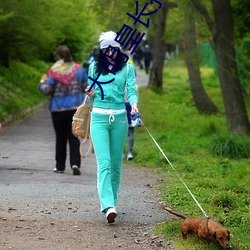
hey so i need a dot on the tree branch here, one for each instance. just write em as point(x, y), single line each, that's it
point(202, 9)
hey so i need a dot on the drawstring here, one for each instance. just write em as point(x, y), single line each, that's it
point(109, 112)
point(111, 117)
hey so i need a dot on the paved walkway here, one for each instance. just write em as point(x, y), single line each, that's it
point(141, 78)
point(27, 158)
point(29, 189)
point(26, 163)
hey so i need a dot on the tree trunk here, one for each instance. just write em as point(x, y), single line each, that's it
point(159, 48)
point(201, 99)
point(235, 109)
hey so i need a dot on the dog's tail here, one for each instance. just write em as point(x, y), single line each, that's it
point(175, 213)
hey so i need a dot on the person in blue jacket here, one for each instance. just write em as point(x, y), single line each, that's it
point(109, 124)
point(65, 83)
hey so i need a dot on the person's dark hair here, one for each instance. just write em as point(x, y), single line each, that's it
point(63, 52)
point(101, 55)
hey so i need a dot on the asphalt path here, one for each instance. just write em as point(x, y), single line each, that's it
point(31, 190)
point(26, 164)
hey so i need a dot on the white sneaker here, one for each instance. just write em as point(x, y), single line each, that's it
point(111, 214)
point(130, 156)
point(58, 171)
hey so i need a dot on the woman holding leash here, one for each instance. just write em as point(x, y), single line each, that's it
point(109, 123)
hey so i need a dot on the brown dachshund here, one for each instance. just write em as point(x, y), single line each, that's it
point(204, 229)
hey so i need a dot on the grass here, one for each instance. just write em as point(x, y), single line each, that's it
point(214, 164)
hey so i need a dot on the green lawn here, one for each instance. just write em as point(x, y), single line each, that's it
point(214, 164)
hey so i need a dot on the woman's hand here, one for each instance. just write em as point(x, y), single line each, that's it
point(91, 92)
point(43, 79)
point(134, 109)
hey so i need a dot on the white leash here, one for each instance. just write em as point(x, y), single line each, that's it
point(174, 170)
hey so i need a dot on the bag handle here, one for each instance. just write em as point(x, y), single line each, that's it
point(90, 149)
point(85, 139)
point(85, 99)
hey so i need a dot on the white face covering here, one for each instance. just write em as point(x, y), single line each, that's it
point(108, 38)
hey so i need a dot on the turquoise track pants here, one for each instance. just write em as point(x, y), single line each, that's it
point(108, 136)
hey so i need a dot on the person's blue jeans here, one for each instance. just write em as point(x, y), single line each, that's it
point(108, 139)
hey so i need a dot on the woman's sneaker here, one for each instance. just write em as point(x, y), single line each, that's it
point(76, 170)
point(130, 156)
point(111, 214)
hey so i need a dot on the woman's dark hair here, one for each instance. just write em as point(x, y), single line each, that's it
point(63, 52)
point(98, 68)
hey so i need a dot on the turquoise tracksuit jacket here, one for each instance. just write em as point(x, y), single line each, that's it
point(113, 92)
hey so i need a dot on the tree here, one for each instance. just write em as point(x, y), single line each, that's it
point(24, 32)
point(28, 33)
point(223, 38)
point(159, 46)
point(112, 14)
point(201, 99)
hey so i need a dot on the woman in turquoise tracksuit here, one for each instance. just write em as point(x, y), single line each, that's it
point(109, 123)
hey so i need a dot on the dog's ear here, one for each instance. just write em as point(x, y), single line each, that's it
point(228, 237)
point(214, 235)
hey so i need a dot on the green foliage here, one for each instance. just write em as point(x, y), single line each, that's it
point(219, 183)
point(19, 87)
point(243, 59)
point(112, 14)
point(241, 17)
point(242, 37)
point(176, 18)
point(41, 29)
point(175, 25)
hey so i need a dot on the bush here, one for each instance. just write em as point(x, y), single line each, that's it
point(19, 88)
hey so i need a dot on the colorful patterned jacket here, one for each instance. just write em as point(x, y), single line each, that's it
point(66, 83)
